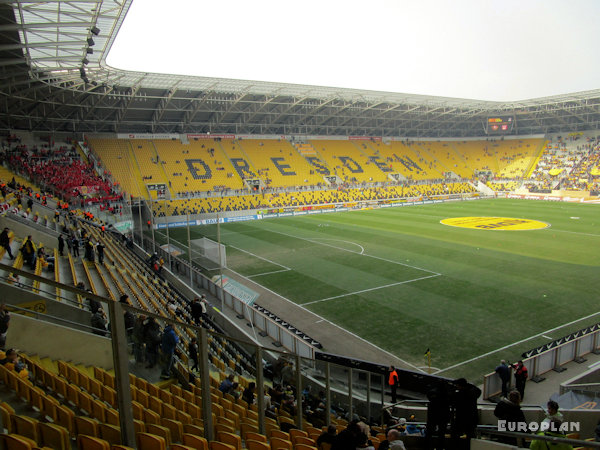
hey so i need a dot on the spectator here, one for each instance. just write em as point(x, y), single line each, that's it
point(5, 242)
point(328, 437)
point(128, 317)
point(61, 244)
point(520, 377)
point(196, 310)
point(248, 394)
point(75, 246)
point(438, 414)
point(168, 344)
point(503, 372)
point(100, 250)
point(227, 384)
point(138, 339)
point(4, 321)
point(29, 252)
point(394, 438)
point(554, 431)
point(552, 412)
point(464, 403)
point(193, 352)
point(152, 341)
point(89, 250)
point(509, 409)
point(99, 322)
point(11, 361)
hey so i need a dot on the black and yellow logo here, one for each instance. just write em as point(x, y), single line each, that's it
point(494, 223)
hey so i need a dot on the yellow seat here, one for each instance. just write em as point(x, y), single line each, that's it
point(194, 441)
point(280, 444)
point(175, 427)
point(193, 429)
point(161, 431)
point(91, 443)
point(87, 426)
point(16, 442)
point(65, 418)
point(251, 444)
point(5, 413)
point(110, 433)
point(54, 436)
point(231, 439)
point(304, 440)
point(25, 426)
point(180, 447)
point(252, 436)
point(148, 441)
point(304, 447)
point(279, 434)
point(214, 445)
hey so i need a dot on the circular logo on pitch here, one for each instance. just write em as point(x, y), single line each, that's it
point(495, 223)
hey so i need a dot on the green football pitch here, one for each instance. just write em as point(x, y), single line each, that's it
point(405, 282)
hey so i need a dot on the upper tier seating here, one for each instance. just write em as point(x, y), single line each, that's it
point(348, 160)
point(279, 164)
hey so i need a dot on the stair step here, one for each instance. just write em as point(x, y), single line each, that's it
point(49, 364)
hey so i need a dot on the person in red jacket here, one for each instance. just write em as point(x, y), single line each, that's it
point(521, 376)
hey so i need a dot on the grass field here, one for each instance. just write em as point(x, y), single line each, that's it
point(400, 279)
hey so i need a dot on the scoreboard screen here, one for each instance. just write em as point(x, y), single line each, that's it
point(499, 124)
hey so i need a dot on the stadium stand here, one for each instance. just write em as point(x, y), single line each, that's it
point(279, 164)
point(197, 167)
point(349, 161)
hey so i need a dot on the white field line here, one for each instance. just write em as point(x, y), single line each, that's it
point(362, 249)
point(573, 232)
point(332, 323)
point(356, 253)
point(268, 273)
point(518, 342)
point(369, 290)
point(260, 257)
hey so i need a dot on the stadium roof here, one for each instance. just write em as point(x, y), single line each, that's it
point(54, 77)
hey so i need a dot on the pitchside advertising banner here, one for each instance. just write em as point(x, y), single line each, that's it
point(239, 291)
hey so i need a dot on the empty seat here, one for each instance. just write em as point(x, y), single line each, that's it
point(110, 433)
point(149, 441)
point(194, 441)
point(91, 443)
point(54, 436)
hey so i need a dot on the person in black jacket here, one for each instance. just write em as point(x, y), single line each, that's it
point(152, 341)
point(464, 405)
point(509, 409)
point(438, 414)
point(193, 352)
point(5, 242)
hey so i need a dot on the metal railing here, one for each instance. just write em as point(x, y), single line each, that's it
point(546, 361)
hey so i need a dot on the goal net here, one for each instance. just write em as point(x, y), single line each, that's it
point(207, 254)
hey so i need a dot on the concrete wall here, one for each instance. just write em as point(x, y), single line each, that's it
point(45, 339)
point(27, 299)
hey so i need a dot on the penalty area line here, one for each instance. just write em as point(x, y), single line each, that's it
point(369, 290)
point(356, 253)
point(323, 319)
point(268, 273)
point(260, 257)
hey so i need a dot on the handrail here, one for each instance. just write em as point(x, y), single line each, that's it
point(44, 317)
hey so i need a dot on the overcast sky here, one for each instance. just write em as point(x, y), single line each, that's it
point(478, 49)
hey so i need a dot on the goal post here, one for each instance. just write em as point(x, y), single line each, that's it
point(208, 253)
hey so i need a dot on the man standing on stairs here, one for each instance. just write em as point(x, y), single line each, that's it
point(5, 242)
point(61, 244)
point(168, 344)
point(100, 251)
